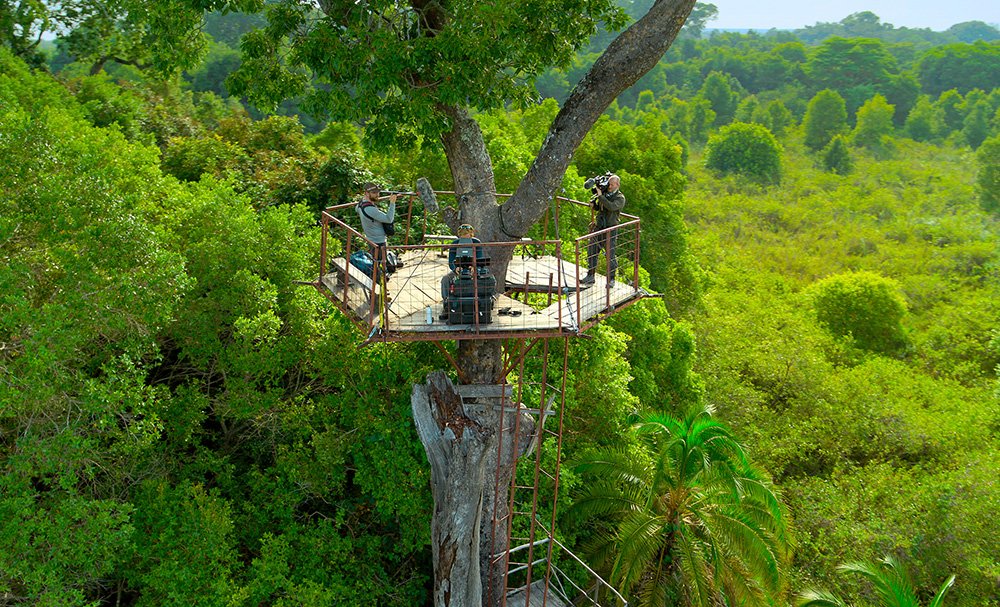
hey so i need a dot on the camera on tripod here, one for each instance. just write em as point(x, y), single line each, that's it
point(600, 182)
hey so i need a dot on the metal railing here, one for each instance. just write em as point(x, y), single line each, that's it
point(542, 291)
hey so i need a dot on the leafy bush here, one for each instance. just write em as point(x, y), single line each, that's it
point(825, 118)
point(988, 178)
point(874, 124)
point(189, 158)
point(837, 157)
point(106, 103)
point(745, 149)
point(862, 306)
point(924, 121)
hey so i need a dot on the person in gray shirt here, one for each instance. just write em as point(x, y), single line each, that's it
point(373, 219)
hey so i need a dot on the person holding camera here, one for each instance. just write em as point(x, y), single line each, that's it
point(377, 225)
point(608, 202)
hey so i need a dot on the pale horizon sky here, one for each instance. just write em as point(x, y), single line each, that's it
point(795, 14)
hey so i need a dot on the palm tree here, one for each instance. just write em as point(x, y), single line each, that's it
point(692, 521)
point(891, 583)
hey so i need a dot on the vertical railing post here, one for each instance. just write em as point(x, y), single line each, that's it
point(347, 269)
point(322, 245)
point(635, 261)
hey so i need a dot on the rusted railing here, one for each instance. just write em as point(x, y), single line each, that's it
point(542, 293)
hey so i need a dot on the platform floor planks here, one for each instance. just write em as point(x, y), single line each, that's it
point(416, 286)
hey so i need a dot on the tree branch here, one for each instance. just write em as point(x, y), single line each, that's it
point(633, 53)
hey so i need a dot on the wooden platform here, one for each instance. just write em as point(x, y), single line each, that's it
point(415, 289)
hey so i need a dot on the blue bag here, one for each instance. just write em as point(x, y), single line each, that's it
point(363, 261)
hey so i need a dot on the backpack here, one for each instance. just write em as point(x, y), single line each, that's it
point(363, 261)
point(388, 228)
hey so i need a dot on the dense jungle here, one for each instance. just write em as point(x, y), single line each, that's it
point(809, 415)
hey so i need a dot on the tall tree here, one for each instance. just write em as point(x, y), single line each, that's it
point(988, 174)
point(721, 96)
point(842, 64)
point(825, 118)
point(420, 68)
point(691, 518)
point(874, 123)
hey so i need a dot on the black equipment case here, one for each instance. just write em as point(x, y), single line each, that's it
point(464, 293)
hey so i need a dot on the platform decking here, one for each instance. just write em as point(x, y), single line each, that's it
point(416, 287)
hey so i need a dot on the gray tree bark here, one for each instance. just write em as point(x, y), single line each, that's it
point(463, 447)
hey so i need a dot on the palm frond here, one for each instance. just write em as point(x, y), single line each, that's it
point(939, 597)
point(819, 598)
point(601, 550)
point(601, 499)
point(640, 537)
point(696, 570)
point(618, 465)
point(890, 582)
point(660, 587)
point(741, 536)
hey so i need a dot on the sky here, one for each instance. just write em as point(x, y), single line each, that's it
point(794, 14)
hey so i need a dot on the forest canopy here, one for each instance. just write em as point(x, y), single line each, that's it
point(181, 420)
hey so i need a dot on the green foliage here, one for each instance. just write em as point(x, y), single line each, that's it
point(988, 174)
point(158, 35)
point(173, 401)
point(825, 119)
point(851, 66)
point(925, 121)
point(745, 149)
point(890, 582)
point(864, 307)
point(720, 96)
point(691, 520)
point(837, 156)
point(424, 60)
point(971, 31)
point(951, 103)
point(776, 117)
point(188, 159)
point(902, 93)
point(976, 126)
point(960, 66)
point(746, 109)
point(211, 73)
point(184, 546)
point(662, 356)
point(874, 124)
point(107, 104)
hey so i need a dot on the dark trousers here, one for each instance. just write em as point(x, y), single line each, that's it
point(607, 241)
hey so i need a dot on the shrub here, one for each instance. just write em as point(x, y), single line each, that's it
point(745, 149)
point(988, 177)
point(864, 307)
point(825, 118)
point(874, 124)
point(187, 158)
point(837, 157)
point(925, 121)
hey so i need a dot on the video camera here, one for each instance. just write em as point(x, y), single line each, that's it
point(599, 182)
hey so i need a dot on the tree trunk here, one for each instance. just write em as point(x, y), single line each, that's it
point(462, 447)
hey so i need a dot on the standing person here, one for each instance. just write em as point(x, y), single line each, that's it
point(467, 236)
point(608, 202)
point(374, 221)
